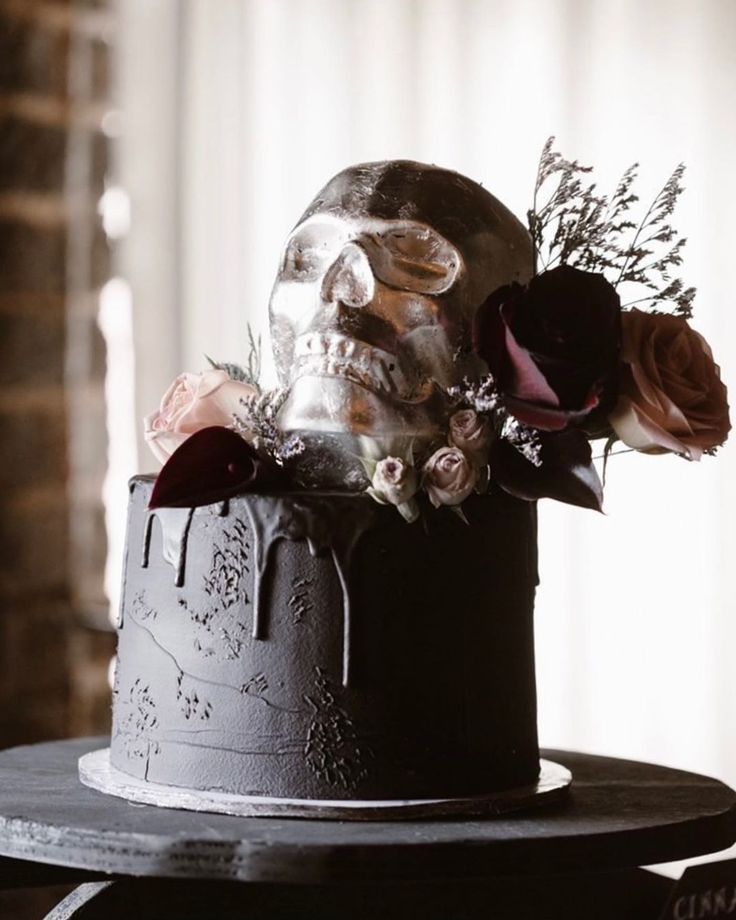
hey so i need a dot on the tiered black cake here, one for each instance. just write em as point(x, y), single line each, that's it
point(315, 646)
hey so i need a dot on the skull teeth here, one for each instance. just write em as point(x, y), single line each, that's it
point(335, 355)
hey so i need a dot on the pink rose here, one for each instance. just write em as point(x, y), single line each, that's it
point(394, 481)
point(193, 402)
point(449, 477)
point(471, 433)
point(671, 394)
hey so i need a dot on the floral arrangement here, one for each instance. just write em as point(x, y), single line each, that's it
point(567, 363)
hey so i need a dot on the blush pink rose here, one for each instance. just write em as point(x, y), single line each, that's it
point(471, 433)
point(193, 402)
point(449, 477)
point(671, 395)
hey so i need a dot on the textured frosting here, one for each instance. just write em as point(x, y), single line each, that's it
point(317, 646)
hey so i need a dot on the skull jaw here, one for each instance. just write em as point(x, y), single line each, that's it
point(340, 421)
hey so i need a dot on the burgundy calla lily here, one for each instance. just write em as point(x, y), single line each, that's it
point(566, 473)
point(211, 465)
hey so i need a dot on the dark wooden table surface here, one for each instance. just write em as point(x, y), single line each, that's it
point(574, 856)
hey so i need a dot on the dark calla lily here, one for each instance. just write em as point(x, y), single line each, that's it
point(566, 473)
point(211, 465)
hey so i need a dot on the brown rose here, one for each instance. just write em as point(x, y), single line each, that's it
point(671, 394)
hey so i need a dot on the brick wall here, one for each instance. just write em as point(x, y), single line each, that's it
point(53, 259)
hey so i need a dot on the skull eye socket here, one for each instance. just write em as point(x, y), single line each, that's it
point(414, 259)
point(403, 255)
point(311, 250)
point(303, 262)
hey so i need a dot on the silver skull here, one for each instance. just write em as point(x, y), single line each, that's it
point(372, 306)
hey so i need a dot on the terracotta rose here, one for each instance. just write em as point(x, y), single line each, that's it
point(671, 396)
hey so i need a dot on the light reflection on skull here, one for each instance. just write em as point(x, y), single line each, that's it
point(372, 304)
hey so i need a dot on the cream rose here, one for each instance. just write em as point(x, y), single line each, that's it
point(471, 433)
point(449, 477)
point(193, 402)
point(394, 480)
point(671, 397)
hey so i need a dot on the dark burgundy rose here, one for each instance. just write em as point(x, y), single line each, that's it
point(553, 346)
point(211, 465)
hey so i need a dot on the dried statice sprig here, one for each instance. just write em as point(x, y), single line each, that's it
point(655, 250)
point(258, 421)
point(484, 397)
point(251, 372)
point(577, 226)
point(572, 213)
point(604, 249)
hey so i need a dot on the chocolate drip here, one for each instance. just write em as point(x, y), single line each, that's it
point(314, 520)
point(342, 571)
point(175, 524)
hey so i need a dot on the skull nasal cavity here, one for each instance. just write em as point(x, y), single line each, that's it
point(349, 279)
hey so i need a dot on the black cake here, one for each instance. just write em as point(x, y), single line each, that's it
point(328, 593)
point(328, 598)
point(315, 646)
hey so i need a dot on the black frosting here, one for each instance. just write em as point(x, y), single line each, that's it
point(318, 646)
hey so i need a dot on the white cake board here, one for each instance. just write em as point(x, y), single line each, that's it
point(96, 771)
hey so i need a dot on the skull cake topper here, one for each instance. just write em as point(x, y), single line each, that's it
point(372, 305)
point(415, 371)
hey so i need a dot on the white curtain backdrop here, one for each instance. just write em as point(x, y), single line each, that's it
point(637, 610)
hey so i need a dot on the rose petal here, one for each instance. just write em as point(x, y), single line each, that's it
point(211, 380)
point(637, 430)
point(528, 382)
point(215, 405)
point(164, 443)
point(544, 418)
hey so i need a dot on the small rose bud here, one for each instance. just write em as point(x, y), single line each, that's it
point(395, 480)
point(449, 476)
point(471, 433)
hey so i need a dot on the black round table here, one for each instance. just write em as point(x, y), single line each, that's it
point(574, 858)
